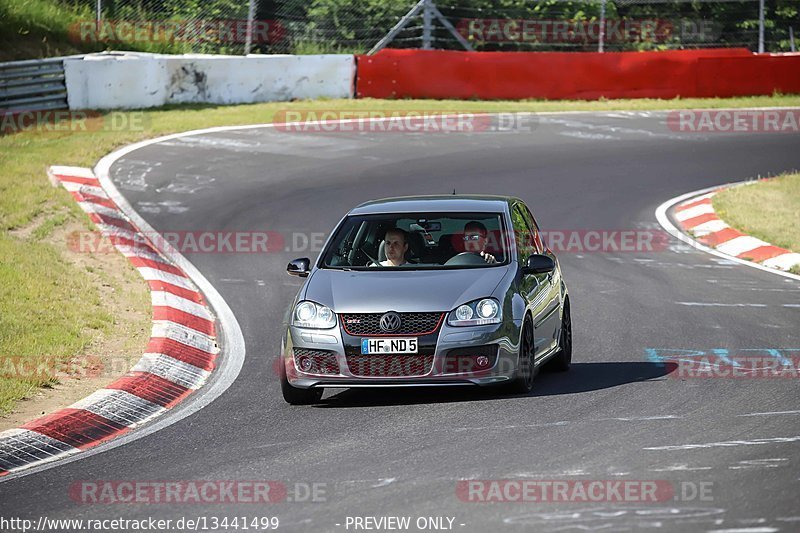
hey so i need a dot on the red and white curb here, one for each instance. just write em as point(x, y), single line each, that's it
point(699, 225)
point(179, 358)
point(697, 216)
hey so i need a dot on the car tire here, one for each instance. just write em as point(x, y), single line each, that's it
point(523, 383)
point(297, 396)
point(561, 361)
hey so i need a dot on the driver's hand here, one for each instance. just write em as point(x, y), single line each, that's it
point(489, 258)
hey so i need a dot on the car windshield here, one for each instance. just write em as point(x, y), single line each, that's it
point(418, 241)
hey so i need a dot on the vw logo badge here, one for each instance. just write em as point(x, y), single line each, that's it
point(390, 322)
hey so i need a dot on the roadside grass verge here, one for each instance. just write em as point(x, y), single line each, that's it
point(47, 314)
point(768, 210)
point(55, 303)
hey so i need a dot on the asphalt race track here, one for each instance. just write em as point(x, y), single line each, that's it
point(616, 415)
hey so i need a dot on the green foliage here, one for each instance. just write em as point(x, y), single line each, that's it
point(34, 28)
point(40, 28)
point(357, 25)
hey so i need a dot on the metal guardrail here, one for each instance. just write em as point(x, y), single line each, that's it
point(36, 84)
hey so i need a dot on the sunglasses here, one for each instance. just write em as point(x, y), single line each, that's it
point(472, 237)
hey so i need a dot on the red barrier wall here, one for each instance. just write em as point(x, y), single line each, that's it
point(745, 76)
point(565, 75)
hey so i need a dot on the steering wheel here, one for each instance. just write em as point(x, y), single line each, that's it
point(362, 250)
point(466, 258)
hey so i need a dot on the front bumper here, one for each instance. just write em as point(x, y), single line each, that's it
point(503, 337)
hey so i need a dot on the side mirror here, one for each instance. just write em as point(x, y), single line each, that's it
point(299, 267)
point(538, 264)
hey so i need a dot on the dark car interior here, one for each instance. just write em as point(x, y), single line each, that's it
point(433, 240)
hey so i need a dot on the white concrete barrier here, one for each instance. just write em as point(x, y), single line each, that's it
point(137, 80)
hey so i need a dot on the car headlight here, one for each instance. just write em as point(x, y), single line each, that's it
point(464, 312)
point(477, 313)
point(312, 315)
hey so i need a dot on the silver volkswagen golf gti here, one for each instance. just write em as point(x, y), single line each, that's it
point(427, 291)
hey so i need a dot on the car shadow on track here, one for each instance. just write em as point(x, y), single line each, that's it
point(582, 377)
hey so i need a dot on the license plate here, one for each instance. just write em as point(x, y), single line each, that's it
point(378, 346)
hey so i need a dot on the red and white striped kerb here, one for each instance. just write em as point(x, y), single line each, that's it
point(179, 357)
point(697, 217)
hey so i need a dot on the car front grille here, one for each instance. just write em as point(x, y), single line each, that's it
point(363, 324)
point(389, 366)
point(322, 362)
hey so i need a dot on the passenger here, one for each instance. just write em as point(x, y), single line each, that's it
point(475, 240)
point(395, 244)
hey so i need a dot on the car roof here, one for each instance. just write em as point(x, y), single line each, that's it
point(436, 203)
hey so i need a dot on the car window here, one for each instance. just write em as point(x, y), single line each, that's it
point(534, 227)
point(432, 240)
point(523, 234)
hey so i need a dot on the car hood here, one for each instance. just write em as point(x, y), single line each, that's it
point(401, 291)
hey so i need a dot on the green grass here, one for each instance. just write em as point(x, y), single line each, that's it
point(51, 307)
point(37, 28)
point(768, 210)
point(31, 29)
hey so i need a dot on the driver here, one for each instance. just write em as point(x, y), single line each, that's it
point(396, 246)
point(475, 240)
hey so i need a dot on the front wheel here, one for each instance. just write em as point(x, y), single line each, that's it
point(561, 361)
point(523, 384)
point(298, 396)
